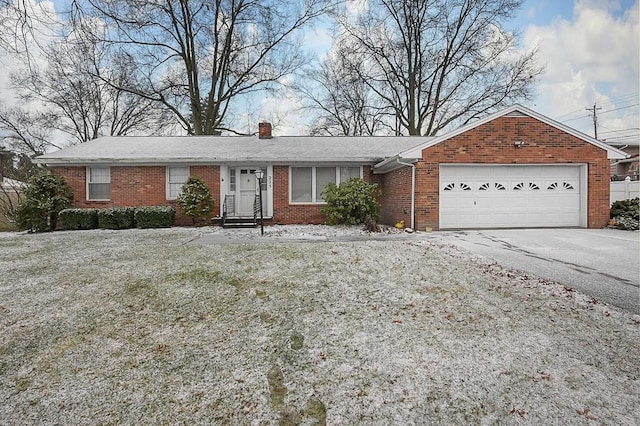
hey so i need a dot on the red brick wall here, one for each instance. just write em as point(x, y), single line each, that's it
point(285, 213)
point(493, 143)
point(137, 186)
point(146, 186)
point(396, 197)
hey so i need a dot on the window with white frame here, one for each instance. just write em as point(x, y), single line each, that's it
point(347, 173)
point(232, 180)
point(308, 183)
point(98, 183)
point(176, 177)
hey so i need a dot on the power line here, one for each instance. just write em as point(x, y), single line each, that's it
point(617, 109)
point(620, 131)
point(621, 99)
point(605, 104)
point(576, 118)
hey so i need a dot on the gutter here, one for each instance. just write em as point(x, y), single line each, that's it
point(60, 161)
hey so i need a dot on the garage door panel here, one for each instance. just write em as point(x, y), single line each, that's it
point(509, 196)
point(465, 203)
point(447, 204)
point(487, 219)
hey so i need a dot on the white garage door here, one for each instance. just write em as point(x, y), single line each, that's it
point(509, 196)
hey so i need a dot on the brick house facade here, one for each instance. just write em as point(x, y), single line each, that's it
point(134, 186)
point(410, 171)
point(489, 144)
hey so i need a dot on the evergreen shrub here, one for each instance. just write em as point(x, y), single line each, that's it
point(154, 217)
point(72, 219)
point(195, 200)
point(116, 218)
point(626, 214)
point(45, 197)
point(354, 202)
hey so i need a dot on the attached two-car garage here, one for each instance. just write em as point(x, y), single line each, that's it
point(512, 169)
point(511, 196)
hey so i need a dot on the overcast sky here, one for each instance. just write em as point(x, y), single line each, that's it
point(590, 49)
point(591, 52)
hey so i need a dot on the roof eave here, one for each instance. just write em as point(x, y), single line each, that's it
point(201, 160)
point(117, 161)
point(612, 153)
point(393, 163)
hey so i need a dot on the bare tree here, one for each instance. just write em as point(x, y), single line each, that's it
point(61, 91)
point(344, 103)
point(196, 57)
point(72, 89)
point(24, 24)
point(26, 132)
point(437, 63)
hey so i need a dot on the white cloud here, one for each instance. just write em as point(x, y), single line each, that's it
point(591, 59)
point(318, 40)
point(355, 7)
point(284, 111)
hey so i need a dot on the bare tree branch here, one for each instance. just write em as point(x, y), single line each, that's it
point(195, 57)
point(438, 63)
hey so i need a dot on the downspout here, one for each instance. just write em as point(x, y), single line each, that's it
point(413, 190)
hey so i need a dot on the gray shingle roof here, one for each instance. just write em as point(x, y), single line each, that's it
point(221, 149)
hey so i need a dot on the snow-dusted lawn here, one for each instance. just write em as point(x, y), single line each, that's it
point(143, 327)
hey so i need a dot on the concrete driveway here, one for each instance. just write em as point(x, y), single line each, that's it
point(602, 263)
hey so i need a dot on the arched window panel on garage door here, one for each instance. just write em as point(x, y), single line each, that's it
point(456, 186)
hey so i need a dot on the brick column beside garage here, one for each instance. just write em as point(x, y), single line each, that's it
point(395, 200)
point(493, 143)
point(134, 186)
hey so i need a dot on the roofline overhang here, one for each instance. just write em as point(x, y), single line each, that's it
point(393, 163)
point(612, 153)
point(628, 160)
point(213, 161)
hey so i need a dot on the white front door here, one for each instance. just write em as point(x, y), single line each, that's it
point(247, 191)
point(505, 196)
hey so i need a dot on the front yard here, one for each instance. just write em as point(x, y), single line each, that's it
point(142, 327)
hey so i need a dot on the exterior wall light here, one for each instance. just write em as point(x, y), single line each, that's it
point(518, 144)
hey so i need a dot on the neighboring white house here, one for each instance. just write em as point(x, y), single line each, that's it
point(11, 185)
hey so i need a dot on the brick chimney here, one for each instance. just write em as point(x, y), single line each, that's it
point(264, 130)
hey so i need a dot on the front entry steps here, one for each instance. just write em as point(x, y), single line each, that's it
point(240, 222)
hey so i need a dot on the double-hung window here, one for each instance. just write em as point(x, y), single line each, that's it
point(176, 178)
point(98, 183)
point(308, 183)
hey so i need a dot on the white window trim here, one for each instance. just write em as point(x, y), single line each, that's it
point(88, 182)
point(167, 183)
point(313, 182)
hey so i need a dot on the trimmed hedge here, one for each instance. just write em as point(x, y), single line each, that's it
point(116, 218)
point(154, 217)
point(72, 219)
